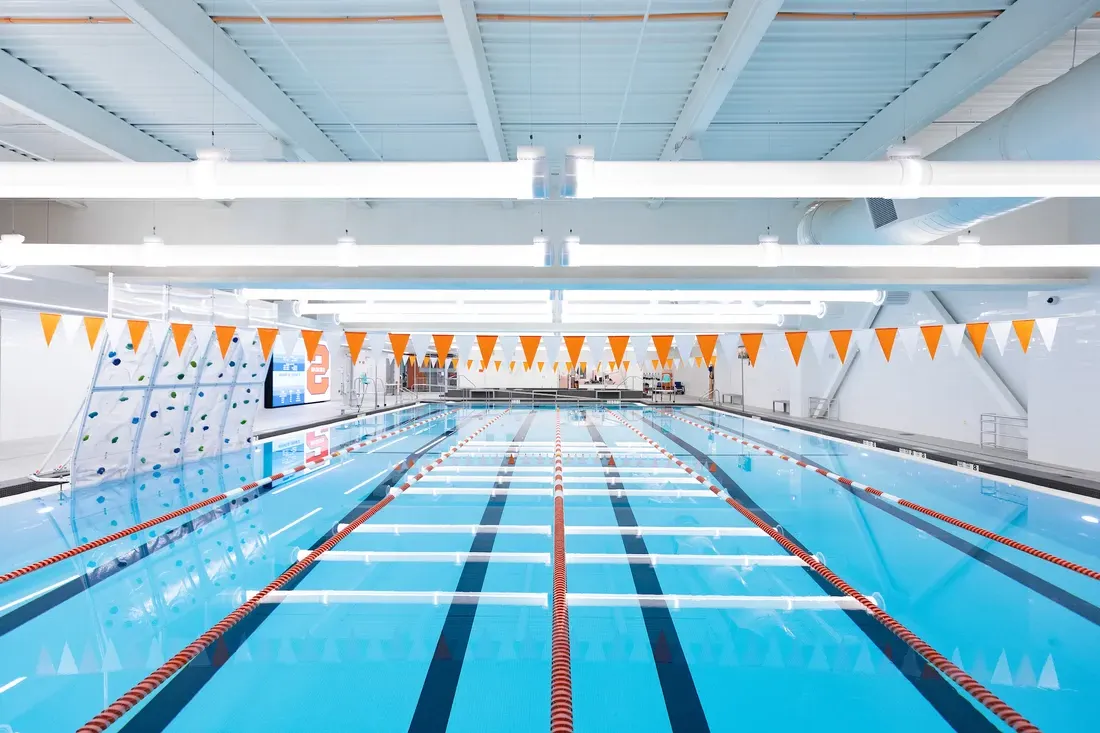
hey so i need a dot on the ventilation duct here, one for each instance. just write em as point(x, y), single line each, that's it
point(1057, 121)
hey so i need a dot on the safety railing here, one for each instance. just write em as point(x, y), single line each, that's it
point(1006, 432)
point(822, 408)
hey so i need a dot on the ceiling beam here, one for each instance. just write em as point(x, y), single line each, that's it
point(1023, 28)
point(33, 94)
point(746, 23)
point(186, 30)
point(460, 19)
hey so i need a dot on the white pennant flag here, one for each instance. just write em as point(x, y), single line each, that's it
point(286, 340)
point(819, 340)
point(421, 345)
point(117, 333)
point(908, 338)
point(685, 342)
point(248, 337)
point(727, 345)
point(864, 339)
point(376, 346)
point(1047, 327)
point(158, 330)
point(204, 333)
point(553, 348)
point(953, 334)
point(775, 341)
point(70, 326)
point(1000, 330)
point(508, 346)
point(464, 343)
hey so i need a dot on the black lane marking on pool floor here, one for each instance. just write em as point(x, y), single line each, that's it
point(181, 688)
point(437, 695)
point(35, 607)
point(1050, 591)
point(952, 705)
point(685, 710)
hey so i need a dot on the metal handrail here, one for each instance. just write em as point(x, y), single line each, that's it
point(992, 432)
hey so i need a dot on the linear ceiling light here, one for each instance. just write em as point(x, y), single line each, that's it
point(642, 312)
point(712, 319)
point(335, 295)
point(212, 177)
point(723, 296)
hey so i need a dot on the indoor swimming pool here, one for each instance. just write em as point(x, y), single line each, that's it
point(436, 612)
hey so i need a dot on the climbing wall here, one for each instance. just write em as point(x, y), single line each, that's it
point(156, 407)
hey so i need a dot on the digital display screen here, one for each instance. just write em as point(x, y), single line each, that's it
point(291, 381)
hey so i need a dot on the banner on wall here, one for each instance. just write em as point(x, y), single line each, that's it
point(292, 380)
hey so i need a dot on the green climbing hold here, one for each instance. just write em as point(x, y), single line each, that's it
point(194, 363)
point(114, 439)
point(85, 437)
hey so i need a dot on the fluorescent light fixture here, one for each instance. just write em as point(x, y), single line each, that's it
point(394, 296)
point(345, 251)
point(417, 318)
point(52, 307)
point(152, 251)
point(9, 276)
point(901, 178)
point(876, 297)
point(713, 319)
point(641, 312)
point(346, 310)
point(213, 178)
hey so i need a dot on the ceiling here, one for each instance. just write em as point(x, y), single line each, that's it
point(402, 89)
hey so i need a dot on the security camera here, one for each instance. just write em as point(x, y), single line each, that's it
point(1053, 300)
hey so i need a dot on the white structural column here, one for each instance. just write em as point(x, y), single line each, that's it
point(1008, 400)
point(843, 368)
point(186, 29)
point(745, 24)
point(32, 93)
point(1023, 28)
point(460, 20)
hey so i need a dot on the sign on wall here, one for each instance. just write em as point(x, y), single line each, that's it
point(293, 381)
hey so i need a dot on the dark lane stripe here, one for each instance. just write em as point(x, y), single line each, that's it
point(437, 696)
point(947, 699)
point(1057, 594)
point(685, 710)
point(35, 607)
point(178, 691)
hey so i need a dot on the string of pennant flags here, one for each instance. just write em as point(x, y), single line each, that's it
point(613, 348)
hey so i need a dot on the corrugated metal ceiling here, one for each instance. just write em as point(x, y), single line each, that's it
point(619, 86)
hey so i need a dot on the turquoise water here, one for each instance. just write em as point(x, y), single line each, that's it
point(75, 636)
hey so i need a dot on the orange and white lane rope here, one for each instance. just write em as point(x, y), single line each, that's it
point(975, 689)
point(115, 536)
point(561, 675)
point(1008, 542)
point(143, 689)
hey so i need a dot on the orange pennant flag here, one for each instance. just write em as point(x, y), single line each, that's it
point(355, 343)
point(796, 341)
point(626, 364)
point(485, 345)
point(662, 344)
point(706, 346)
point(584, 367)
point(92, 327)
point(698, 362)
point(841, 339)
point(618, 346)
point(1023, 331)
point(225, 338)
point(511, 366)
point(497, 363)
point(137, 330)
point(180, 332)
point(311, 338)
point(656, 363)
point(469, 363)
point(442, 343)
point(454, 363)
point(932, 338)
point(886, 338)
point(398, 342)
point(530, 346)
point(267, 339)
point(555, 368)
point(752, 345)
point(49, 325)
point(541, 365)
point(977, 333)
point(573, 345)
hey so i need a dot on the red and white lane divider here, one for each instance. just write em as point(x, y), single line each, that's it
point(561, 674)
point(143, 689)
point(975, 689)
point(115, 536)
point(1034, 552)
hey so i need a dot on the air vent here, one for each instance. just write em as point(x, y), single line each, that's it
point(882, 212)
point(896, 297)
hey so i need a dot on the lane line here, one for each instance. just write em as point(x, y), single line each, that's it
point(11, 684)
point(296, 522)
point(361, 484)
point(307, 477)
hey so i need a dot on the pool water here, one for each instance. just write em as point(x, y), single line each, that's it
point(681, 638)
